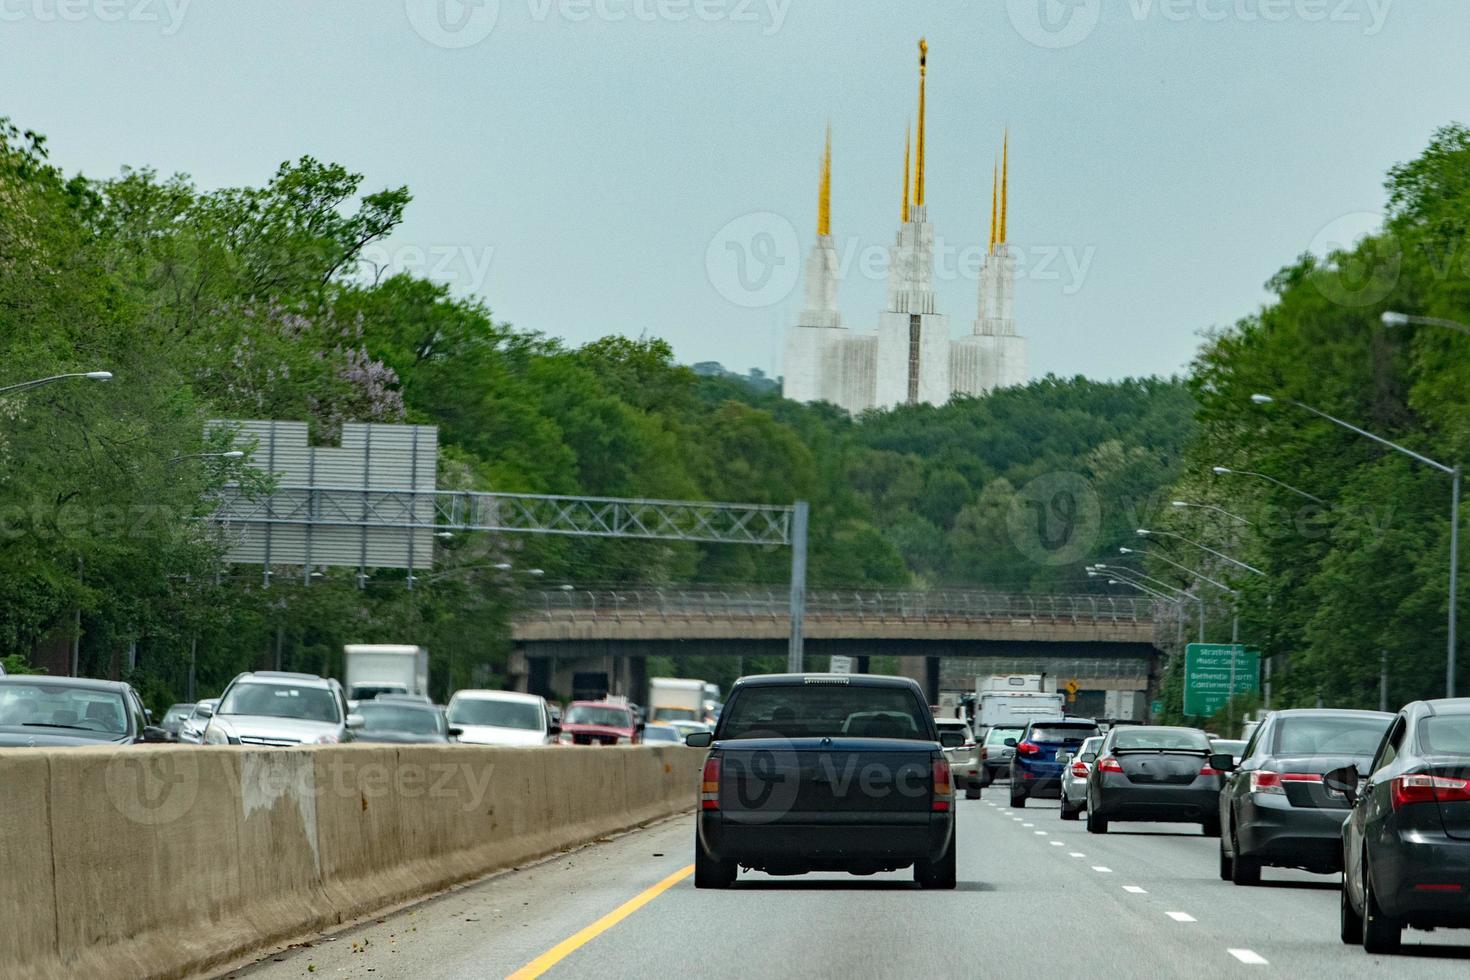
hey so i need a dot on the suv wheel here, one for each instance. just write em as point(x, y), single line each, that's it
point(937, 874)
point(1018, 796)
point(709, 873)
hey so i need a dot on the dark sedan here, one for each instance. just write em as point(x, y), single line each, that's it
point(1153, 773)
point(1274, 809)
point(37, 711)
point(403, 722)
point(1406, 842)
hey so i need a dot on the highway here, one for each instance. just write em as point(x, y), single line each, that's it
point(1037, 897)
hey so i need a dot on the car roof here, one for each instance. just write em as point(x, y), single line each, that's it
point(488, 695)
point(284, 678)
point(79, 683)
point(602, 704)
point(1442, 706)
point(1060, 721)
point(851, 680)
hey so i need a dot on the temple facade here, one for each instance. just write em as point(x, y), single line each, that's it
point(912, 357)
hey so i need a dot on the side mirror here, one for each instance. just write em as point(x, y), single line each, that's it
point(951, 739)
point(354, 722)
point(699, 740)
point(1010, 743)
point(155, 734)
point(1344, 781)
point(1089, 757)
point(456, 732)
point(1223, 761)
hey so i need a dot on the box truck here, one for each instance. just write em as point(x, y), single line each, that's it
point(374, 669)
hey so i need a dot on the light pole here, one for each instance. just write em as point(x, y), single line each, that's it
point(39, 382)
point(1454, 474)
point(230, 456)
point(1183, 568)
point(1225, 470)
point(1392, 319)
point(1218, 510)
point(1099, 569)
point(1144, 532)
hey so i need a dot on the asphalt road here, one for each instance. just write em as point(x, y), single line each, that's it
point(1037, 898)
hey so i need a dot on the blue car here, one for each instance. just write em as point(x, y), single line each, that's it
point(1035, 771)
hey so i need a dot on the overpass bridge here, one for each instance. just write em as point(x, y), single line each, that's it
point(943, 637)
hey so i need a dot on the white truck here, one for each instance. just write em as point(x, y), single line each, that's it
point(675, 699)
point(1012, 700)
point(374, 669)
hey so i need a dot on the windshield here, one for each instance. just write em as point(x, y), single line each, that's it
point(1329, 735)
point(281, 701)
point(1161, 739)
point(581, 714)
point(380, 717)
point(658, 734)
point(39, 704)
point(495, 713)
point(676, 714)
point(819, 710)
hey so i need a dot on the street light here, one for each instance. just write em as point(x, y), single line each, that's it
point(1393, 319)
point(1144, 532)
point(232, 455)
point(1454, 474)
point(1218, 510)
point(38, 382)
point(1183, 568)
point(1197, 599)
point(1223, 470)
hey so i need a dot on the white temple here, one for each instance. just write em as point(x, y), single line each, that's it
point(912, 357)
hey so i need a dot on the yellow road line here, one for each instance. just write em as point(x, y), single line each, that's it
point(567, 947)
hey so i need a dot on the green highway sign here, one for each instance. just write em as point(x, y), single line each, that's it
point(1213, 672)
point(1155, 709)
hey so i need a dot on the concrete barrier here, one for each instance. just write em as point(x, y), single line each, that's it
point(165, 861)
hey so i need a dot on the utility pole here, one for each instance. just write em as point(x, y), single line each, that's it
point(1383, 680)
point(795, 659)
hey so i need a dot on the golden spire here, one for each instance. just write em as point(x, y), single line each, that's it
point(994, 183)
point(824, 193)
point(1005, 177)
point(907, 140)
point(919, 163)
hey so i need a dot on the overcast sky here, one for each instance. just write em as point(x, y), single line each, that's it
point(622, 166)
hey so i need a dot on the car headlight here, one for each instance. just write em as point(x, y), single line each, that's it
point(216, 735)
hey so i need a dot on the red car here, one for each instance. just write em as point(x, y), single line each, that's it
point(600, 723)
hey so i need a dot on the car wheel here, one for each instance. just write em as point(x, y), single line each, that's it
point(1070, 812)
point(1381, 933)
point(709, 873)
point(1351, 923)
point(937, 874)
point(1096, 824)
point(1018, 797)
point(1211, 827)
point(1244, 870)
point(985, 777)
point(1227, 863)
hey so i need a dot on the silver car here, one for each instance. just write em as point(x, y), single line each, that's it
point(273, 708)
point(995, 754)
point(964, 760)
point(192, 729)
point(1075, 769)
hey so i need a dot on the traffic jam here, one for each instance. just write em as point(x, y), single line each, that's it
point(821, 773)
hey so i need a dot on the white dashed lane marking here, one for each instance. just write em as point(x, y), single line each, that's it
point(1102, 870)
point(1181, 916)
point(1134, 890)
point(1078, 854)
point(1249, 957)
point(1058, 843)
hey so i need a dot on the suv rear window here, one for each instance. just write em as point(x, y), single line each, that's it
point(998, 736)
point(817, 711)
point(1050, 734)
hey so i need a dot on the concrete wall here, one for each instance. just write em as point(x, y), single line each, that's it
point(161, 861)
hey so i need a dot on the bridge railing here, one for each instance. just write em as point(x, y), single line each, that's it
point(648, 603)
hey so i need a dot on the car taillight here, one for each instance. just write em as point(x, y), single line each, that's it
point(1423, 788)
point(1266, 781)
point(1109, 765)
point(984, 752)
point(1028, 748)
point(1079, 768)
point(709, 788)
point(1209, 770)
point(943, 786)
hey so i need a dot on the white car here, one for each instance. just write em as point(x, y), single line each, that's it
point(964, 760)
point(502, 718)
point(270, 707)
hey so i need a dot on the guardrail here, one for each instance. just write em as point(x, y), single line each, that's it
point(888, 606)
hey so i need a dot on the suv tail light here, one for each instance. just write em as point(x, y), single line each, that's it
point(1079, 768)
point(1209, 770)
point(943, 786)
point(1027, 748)
point(1109, 764)
point(984, 752)
point(1423, 788)
point(709, 787)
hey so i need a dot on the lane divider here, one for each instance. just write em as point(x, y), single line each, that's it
point(1102, 870)
point(1134, 890)
point(568, 946)
point(1181, 916)
point(1249, 957)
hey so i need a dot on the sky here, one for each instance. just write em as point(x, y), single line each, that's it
point(590, 167)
